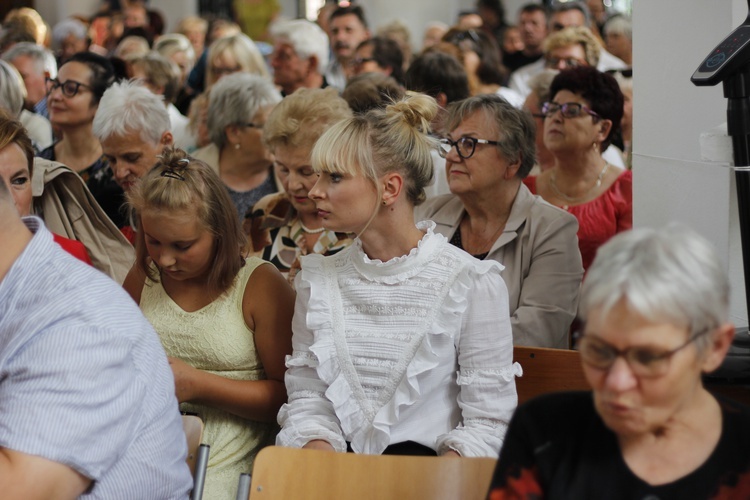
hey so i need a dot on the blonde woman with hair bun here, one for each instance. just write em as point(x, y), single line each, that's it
point(402, 342)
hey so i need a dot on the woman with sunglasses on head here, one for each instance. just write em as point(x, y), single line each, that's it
point(72, 99)
point(655, 305)
point(489, 150)
point(585, 109)
point(402, 343)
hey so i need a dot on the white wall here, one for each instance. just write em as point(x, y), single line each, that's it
point(672, 182)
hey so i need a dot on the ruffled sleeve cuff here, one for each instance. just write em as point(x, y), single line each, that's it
point(298, 430)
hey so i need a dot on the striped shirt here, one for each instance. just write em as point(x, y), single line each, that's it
point(84, 380)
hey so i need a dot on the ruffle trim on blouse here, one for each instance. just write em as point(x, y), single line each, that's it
point(490, 377)
point(400, 268)
point(366, 424)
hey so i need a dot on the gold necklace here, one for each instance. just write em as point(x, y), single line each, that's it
point(576, 199)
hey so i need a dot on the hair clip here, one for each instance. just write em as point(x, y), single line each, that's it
point(183, 160)
point(172, 174)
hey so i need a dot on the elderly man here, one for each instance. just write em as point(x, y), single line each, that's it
point(87, 399)
point(348, 29)
point(133, 127)
point(36, 64)
point(300, 55)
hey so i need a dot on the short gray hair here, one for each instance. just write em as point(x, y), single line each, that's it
point(515, 129)
point(127, 107)
point(665, 275)
point(620, 24)
point(236, 99)
point(67, 27)
point(306, 38)
point(44, 59)
point(168, 45)
point(12, 89)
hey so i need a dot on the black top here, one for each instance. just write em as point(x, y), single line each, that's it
point(100, 180)
point(519, 59)
point(557, 447)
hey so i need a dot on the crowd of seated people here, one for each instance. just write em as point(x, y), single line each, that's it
point(428, 208)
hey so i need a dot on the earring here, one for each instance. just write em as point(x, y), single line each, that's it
point(237, 146)
point(384, 203)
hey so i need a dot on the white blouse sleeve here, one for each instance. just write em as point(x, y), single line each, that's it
point(486, 378)
point(309, 414)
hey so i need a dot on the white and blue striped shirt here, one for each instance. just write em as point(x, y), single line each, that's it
point(84, 380)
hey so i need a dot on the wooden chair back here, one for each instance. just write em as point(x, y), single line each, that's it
point(548, 370)
point(282, 473)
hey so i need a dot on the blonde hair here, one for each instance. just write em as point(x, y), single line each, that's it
point(301, 118)
point(245, 52)
point(575, 36)
point(179, 182)
point(394, 139)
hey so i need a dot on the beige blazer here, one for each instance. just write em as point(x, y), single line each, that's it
point(68, 208)
point(543, 271)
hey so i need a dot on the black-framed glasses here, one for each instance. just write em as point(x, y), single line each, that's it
point(626, 72)
point(645, 362)
point(460, 36)
point(568, 109)
point(564, 62)
point(465, 146)
point(69, 87)
point(253, 125)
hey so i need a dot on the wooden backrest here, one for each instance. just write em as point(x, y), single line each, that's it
point(193, 427)
point(287, 473)
point(548, 370)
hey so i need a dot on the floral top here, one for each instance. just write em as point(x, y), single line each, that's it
point(277, 235)
point(418, 348)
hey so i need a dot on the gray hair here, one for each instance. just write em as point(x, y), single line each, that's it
point(670, 274)
point(306, 38)
point(44, 59)
point(541, 83)
point(12, 89)
point(236, 99)
point(568, 6)
point(68, 27)
point(127, 107)
point(620, 24)
point(515, 129)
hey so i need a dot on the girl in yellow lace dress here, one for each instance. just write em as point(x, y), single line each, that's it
point(224, 321)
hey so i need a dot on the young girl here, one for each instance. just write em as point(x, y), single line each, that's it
point(402, 342)
point(223, 320)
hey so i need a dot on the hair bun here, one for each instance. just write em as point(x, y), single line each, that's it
point(173, 161)
point(417, 110)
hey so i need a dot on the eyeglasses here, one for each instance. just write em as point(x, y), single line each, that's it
point(626, 72)
point(564, 62)
point(568, 109)
point(359, 61)
point(465, 146)
point(254, 125)
point(460, 36)
point(643, 361)
point(69, 87)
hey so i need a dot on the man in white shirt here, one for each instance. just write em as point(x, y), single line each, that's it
point(348, 29)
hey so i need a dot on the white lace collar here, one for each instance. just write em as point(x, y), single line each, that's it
point(400, 268)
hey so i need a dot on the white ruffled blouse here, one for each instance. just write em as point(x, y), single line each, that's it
point(417, 348)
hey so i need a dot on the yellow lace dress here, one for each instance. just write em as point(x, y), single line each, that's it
point(215, 339)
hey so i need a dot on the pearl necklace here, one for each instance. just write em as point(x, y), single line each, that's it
point(311, 231)
point(571, 199)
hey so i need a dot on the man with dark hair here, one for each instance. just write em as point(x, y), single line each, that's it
point(87, 397)
point(379, 55)
point(443, 77)
point(532, 22)
point(348, 28)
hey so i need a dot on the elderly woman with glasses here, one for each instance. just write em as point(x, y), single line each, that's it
point(584, 112)
point(655, 306)
point(238, 107)
point(489, 149)
point(72, 99)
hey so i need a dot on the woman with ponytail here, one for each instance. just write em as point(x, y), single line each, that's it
point(402, 342)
